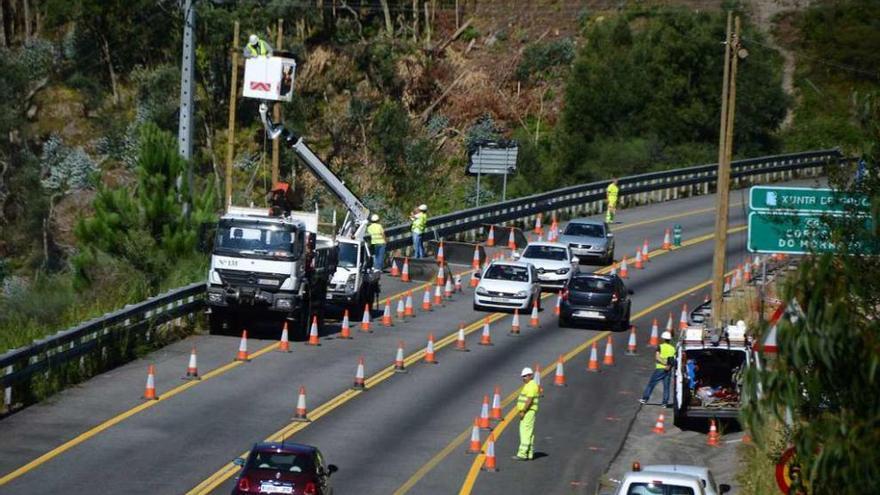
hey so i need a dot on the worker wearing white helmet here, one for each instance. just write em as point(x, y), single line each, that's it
point(257, 48)
point(419, 219)
point(663, 362)
point(377, 241)
point(527, 406)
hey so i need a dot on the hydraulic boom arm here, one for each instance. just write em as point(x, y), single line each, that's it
point(355, 223)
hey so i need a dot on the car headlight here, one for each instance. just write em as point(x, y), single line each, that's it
point(563, 271)
point(349, 284)
point(521, 293)
point(214, 277)
point(481, 291)
point(215, 297)
point(283, 303)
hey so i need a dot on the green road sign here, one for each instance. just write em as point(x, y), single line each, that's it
point(805, 200)
point(800, 234)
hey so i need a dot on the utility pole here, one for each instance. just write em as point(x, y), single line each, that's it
point(732, 54)
point(233, 100)
point(187, 69)
point(276, 143)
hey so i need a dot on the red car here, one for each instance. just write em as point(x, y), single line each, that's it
point(286, 468)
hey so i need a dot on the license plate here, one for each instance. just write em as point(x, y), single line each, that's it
point(589, 314)
point(270, 488)
point(498, 299)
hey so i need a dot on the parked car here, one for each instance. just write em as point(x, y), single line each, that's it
point(507, 285)
point(589, 240)
point(596, 300)
point(288, 468)
point(554, 262)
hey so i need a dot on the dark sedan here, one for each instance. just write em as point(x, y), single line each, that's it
point(596, 300)
point(288, 468)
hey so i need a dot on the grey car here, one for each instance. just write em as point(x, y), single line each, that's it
point(589, 240)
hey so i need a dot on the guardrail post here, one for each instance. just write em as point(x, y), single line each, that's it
point(7, 392)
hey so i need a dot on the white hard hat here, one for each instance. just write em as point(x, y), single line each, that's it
point(666, 336)
point(253, 40)
point(527, 371)
point(374, 218)
point(423, 207)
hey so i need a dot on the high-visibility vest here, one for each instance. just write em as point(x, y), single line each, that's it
point(666, 352)
point(420, 222)
point(261, 50)
point(529, 390)
point(612, 193)
point(377, 233)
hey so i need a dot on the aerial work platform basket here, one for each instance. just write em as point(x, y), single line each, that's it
point(269, 78)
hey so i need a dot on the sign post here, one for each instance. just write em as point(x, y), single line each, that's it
point(497, 158)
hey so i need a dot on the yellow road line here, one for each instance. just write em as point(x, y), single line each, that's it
point(474, 471)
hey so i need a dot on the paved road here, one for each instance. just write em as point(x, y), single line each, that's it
point(105, 439)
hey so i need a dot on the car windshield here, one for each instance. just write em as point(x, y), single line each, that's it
point(508, 272)
point(590, 284)
point(254, 239)
point(281, 461)
point(584, 229)
point(545, 253)
point(348, 255)
point(658, 489)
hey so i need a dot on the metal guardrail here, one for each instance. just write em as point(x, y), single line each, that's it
point(133, 325)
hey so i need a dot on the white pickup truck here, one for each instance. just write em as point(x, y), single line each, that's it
point(665, 479)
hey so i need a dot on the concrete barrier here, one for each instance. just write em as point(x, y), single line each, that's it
point(459, 253)
point(423, 269)
point(502, 234)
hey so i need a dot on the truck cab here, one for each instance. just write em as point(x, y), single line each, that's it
point(708, 374)
point(355, 282)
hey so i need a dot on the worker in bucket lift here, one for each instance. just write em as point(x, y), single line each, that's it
point(377, 241)
point(257, 48)
point(419, 219)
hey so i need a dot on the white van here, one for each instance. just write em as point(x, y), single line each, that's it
point(659, 483)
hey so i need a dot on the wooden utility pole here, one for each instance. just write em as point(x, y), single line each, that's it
point(233, 100)
point(276, 143)
point(725, 151)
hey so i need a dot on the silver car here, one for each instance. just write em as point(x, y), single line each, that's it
point(589, 240)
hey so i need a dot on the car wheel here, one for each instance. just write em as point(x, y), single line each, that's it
point(477, 307)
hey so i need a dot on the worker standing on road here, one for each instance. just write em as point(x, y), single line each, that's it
point(257, 48)
point(419, 219)
point(662, 370)
point(612, 201)
point(527, 405)
point(377, 241)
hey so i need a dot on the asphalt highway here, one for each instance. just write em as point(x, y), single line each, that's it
point(407, 432)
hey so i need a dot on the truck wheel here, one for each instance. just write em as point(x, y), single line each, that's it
point(217, 322)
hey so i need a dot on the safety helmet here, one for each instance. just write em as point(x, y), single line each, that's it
point(423, 207)
point(374, 218)
point(666, 336)
point(527, 371)
point(253, 40)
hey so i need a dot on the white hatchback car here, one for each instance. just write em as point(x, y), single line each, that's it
point(553, 261)
point(507, 285)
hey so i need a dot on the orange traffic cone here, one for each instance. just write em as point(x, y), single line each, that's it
point(669, 323)
point(658, 426)
point(313, 332)
point(490, 241)
point(192, 370)
point(365, 321)
point(474, 447)
point(440, 256)
point(646, 253)
point(667, 244)
point(301, 413)
point(404, 275)
point(438, 295)
point(242, 348)
point(345, 333)
point(429, 350)
point(458, 283)
point(712, 439)
point(150, 390)
point(539, 228)
point(399, 366)
point(533, 321)
point(475, 263)
point(426, 300)
point(441, 276)
point(593, 364)
point(474, 279)
point(284, 343)
point(495, 414)
point(558, 308)
point(359, 383)
point(460, 342)
point(624, 272)
point(608, 359)
point(449, 289)
point(537, 378)
point(559, 378)
point(401, 309)
point(484, 414)
point(655, 336)
point(514, 325)
point(747, 271)
point(386, 314)
point(631, 345)
point(511, 242)
point(395, 271)
point(486, 337)
point(408, 308)
point(489, 463)
point(683, 319)
point(638, 264)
